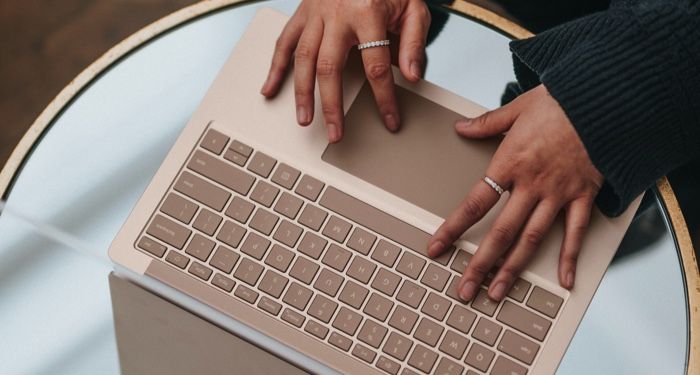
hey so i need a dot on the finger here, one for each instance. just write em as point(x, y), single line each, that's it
point(377, 64)
point(331, 60)
point(578, 215)
point(489, 124)
point(305, 70)
point(284, 48)
point(496, 243)
point(480, 199)
point(414, 31)
point(527, 244)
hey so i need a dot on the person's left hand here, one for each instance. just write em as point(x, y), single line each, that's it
point(546, 168)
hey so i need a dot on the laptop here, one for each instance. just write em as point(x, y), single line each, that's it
point(316, 252)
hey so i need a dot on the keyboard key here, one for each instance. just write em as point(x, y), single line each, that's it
point(261, 164)
point(292, 317)
point(461, 319)
point(264, 193)
point(168, 231)
point(202, 191)
point(316, 329)
point(224, 259)
point(428, 331)
point(423, 359)
point(298, 296)
point(486, 331)
point(436, 277)
point(337, 229)
point(288, 205)
point(246, 294)
point(386, 282)
point(241, 148)
point(235, 157)
point(408, 371)
point(336, 257)
point(263, 221)
point(309, 188)
point(479, 357)
point(461, 260)
point(361, 241)
point(312, 217)
point(200, 270)
point(361, 269)
point(353, 294)
point(386, 253)
point(454, 344)
point(340, 341)
point(388, 365)
point(304, 270)
point(347, 321)
point(410, 265)
point(328, 282)
point(207, 222)
point(223, 282)
point(279, 258)
point(285, 176)
point(248, 271)
point(372, 333)
point(378, 307)
point(288, 233)
point(544, 302)
point(221, 172)
point(214, 141)
point(269, 305)
point(397, 346)
point(452, 291)
point(411, 294)
point(322, 308)
point(403, 319)
point(483, 303)
point(524, 321)
point(519, 290)
point(179, 208)
point(273, 283)
point(312, 245)
point(231, 234)
point(448, 367)
point(151, 246)
point(255, 245)
point(177, 259)
point(436, 306)
point(240, 209)
point(518, 347)
point(200, 247)
point(364, 353)
point(505, 366)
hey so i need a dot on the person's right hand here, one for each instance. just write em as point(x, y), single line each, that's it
point(320, 35)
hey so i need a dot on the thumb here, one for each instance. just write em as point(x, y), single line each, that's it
point(489, 124)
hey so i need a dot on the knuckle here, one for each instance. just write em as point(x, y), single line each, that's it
point(280, 44)
point(303, 53)
point(509, 271)
point(477, 269)
point(329, 110)
point(378, 71)
point(371, 5)
point(533, 237)
point(503, 235)
point(326, 68)
point(473, 208)
point(302, 90)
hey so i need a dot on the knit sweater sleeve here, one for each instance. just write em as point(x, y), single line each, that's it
point(629, 81)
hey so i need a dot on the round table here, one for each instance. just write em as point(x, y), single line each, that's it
point(87, 158)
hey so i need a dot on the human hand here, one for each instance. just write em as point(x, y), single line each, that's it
point(320, 35)
point(544, 165)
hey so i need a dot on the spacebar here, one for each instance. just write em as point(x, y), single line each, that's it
point(375, 219)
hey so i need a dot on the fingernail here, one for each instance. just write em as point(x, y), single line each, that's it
point(463, 123)
point(415, 69)
point(302, 115)
point(391, 122)
point(333, 133)
point(435, 248)
point(467, 292)
point(498, 291)
point(570, 279)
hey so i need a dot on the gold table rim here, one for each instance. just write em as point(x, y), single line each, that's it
point(33, 135)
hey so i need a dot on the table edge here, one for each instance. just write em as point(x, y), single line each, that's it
point(33, 135)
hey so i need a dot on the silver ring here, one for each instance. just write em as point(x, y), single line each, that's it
point(376, 43)
point(494, 185)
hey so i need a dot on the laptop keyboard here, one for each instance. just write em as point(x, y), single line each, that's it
point(338, 269)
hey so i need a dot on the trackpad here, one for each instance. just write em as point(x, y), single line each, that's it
point(426, 163)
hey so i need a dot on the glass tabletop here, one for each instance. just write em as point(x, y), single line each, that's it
point(98, 155)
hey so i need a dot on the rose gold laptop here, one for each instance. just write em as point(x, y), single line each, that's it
point(316, 253)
